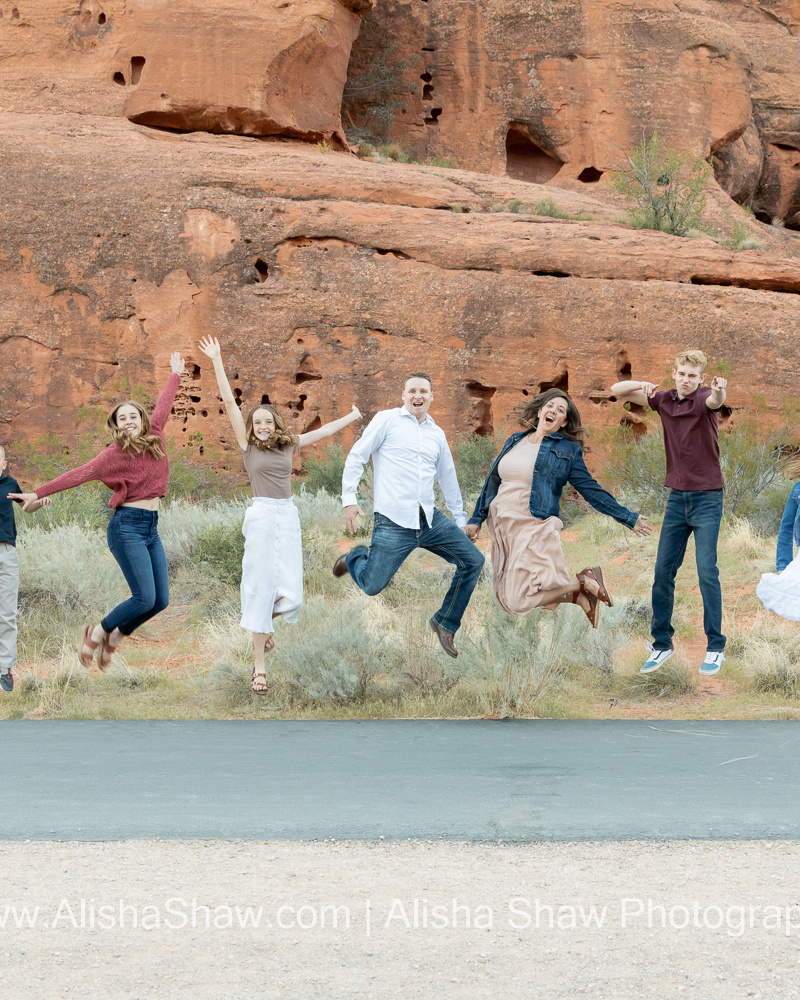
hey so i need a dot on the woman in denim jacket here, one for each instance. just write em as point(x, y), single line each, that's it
point(780, 592)
point(520, 501)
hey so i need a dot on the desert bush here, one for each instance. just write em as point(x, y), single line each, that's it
point(371, 101)
point(741, 238)
point(220, 550)
point(673, 680)
point(755, 485)
point(183, 523)
point(323, 472)
point(669, 194)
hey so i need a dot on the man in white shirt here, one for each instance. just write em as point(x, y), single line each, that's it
point(408, 449)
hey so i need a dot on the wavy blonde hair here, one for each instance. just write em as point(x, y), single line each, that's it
point(144, 442)
point(280, 436)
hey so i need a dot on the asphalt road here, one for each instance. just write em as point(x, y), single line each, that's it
point(459, 780)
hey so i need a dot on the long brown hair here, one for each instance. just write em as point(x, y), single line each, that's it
point(572, 430)
point(144, 442)
point(280, 436)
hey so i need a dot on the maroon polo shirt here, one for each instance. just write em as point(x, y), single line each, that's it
point(690, 440)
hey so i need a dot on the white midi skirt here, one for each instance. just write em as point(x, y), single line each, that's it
point(272, 567)
point(780, 592)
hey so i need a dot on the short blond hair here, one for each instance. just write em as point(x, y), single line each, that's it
point(694, 358)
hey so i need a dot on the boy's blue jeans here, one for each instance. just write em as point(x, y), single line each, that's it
point(133, 539)
point(700, 512)
point(372, 568)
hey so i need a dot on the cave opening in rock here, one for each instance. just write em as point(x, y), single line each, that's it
point(560, 382)
point(101, 18)
point(525, 161)
point(262, 268)
point(119, 79)
point(137, 65)
point(433, 119)
point(590, 175)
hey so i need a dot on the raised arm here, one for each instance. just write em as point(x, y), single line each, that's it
point(634, 392)
point(163, 407)
point(210, 347)
point(328, 429)
point(448, 480)
point(717, 397)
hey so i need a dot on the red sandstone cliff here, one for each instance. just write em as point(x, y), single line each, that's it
point(326, 278)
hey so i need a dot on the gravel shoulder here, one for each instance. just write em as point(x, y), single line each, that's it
point(338, 919)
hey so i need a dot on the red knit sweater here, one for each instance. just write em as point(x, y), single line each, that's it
point(131, 475)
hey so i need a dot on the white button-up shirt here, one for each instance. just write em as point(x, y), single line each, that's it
point(406, 455)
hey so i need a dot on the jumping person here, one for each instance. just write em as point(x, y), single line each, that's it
point(780, 592)
point(135, 467)
point(9, 574)
point(520, 502)
point(689, 416)
point(408, 449)
point(272, 567)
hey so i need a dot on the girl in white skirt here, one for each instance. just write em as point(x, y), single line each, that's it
point(780, 592)
point(272, 568)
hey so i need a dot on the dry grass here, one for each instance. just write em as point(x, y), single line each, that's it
point(352, 657)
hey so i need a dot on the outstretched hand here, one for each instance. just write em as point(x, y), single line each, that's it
point(718, 382)
point(355, 412)
point(351, 512)
point(29, 500)
point(648, 388)
point(210, 347)
point(641, 527)
point(176, 363)
point(472, 531)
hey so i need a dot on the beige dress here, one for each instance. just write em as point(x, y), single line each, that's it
point(527, 557)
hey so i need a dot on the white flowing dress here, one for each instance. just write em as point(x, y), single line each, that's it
point(272, 567)
point(780, 592)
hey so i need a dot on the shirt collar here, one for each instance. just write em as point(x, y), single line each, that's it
point(408, 413)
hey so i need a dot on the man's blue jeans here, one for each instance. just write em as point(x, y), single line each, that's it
point(700, 512)
point(372, 568)
point(133, 539)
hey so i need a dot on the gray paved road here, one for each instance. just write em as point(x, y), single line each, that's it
point(471, 780)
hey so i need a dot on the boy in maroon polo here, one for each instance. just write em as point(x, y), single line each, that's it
point(689, 417)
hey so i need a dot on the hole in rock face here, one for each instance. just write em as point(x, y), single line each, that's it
point(427, 92)
point(430, 48)
point(14, 14)
point(560, 382)
point(101, 18)
point(315, 425)
point(526, 161)
point(119, 79)
point(590, 175)
point(263, 269)
point(301, 377)
point(195, 372)
point(482, 407)
point(237, 397)
point(764, 217)
point(434, 115)
point(623, 365)
point(137, 65)
point(265, 400)
point(425, 77)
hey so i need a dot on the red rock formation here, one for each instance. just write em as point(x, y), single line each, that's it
point(277, 68)
point(119, 244)
point(551, 92)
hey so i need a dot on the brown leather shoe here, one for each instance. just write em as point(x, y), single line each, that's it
point(445, 638)
point(340, 566)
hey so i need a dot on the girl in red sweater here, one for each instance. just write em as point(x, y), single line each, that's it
point(135, 467)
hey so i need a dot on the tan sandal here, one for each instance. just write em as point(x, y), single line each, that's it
point(596, 573)
point(593, 613)
point(87, 642)
point(106, 652)
point(259, 684)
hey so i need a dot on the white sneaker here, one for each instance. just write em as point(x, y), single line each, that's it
point(656, 658)
point(712, 663)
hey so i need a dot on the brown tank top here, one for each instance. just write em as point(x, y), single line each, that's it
point(270, 471)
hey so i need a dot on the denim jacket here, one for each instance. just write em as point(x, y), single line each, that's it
point(559, 462)
point(789, 530)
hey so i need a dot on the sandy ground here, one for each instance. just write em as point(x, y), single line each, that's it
point(338, 919)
